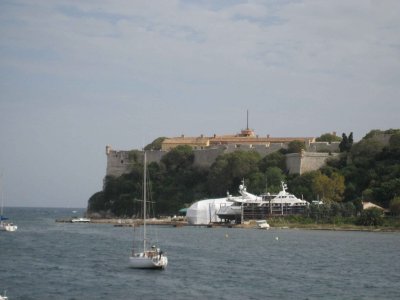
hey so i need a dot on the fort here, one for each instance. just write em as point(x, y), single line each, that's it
point(207, 149)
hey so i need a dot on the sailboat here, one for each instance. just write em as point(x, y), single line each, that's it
point(5, 226)
point(151, 257)
point(4, 297)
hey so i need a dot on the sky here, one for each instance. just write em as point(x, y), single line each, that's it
point(76, 76)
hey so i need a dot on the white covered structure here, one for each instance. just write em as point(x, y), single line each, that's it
point(205, 211)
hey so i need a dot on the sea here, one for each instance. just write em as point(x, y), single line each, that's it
point(45, 259)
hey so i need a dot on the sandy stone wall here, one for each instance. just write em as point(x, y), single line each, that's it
point(120, 162)
point(306, 161)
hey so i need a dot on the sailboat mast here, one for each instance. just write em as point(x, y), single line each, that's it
point(144, 199)
point(2, 202)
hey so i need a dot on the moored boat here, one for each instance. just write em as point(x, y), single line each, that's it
point(80, 220)
point(152, 258)
point(262, 224)
point(250, 206)
point(3, 297)
point(5, 226)
point(239, 204)
point(284, 202)
point(8, 227)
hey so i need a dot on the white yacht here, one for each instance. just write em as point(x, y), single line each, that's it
point(235, 210)
point(285, 202)
point(257, 207)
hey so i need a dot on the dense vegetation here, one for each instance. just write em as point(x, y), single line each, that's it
point(368, 170)
point(328, 137)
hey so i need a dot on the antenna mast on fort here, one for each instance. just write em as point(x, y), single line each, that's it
point(247, 132)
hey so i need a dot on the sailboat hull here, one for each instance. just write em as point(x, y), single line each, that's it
point(8, 227)
point(11, 227)
point(144, 262)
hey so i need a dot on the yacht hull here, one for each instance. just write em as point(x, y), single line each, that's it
point(144, 262)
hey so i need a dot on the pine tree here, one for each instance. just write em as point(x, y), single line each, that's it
point(343, 143)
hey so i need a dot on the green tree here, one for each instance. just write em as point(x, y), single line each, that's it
point(256, 183)
point(365, 152)
point(394, 142)
point(348, 209)
point(387, 190)
point(275, 159)
point(274, 177)
point(346, 143)
point(230, 169)
point(321, 186)
point(337, 187)
point(301, 185)
point(372, 133)
point(331, 189)
point(156, 144)
point(96, 203)
point(368, 194)
point(358, 204)
point(328, 137)
point(179, 158)
point(177, 180)
point(123, 206)
point(395, 206)
point(350, 140)
point(371, 217)
point(296, 147)
point(343, 144)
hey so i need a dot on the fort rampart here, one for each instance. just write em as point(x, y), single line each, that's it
point(121, 162)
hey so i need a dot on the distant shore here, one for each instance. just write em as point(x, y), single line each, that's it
point(342, 227)
point(118, 222)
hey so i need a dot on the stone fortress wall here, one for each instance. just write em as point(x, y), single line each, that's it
point(314, 157)
point(120, 162)
point(299, 163)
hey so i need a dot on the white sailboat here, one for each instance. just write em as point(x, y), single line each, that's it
point(151, 257)
point(4, 297)
point(5, 226)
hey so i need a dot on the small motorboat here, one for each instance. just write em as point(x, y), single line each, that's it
point(262, 224)
point(80, 220)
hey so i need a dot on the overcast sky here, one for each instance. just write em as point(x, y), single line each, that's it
point(78, 75)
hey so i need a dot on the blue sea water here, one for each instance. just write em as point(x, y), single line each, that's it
point(49, 260)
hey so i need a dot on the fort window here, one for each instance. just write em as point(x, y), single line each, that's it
point(122, 161)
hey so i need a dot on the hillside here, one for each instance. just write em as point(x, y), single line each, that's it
point(369, 170)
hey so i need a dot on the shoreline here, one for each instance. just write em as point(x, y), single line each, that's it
point(247, 225)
